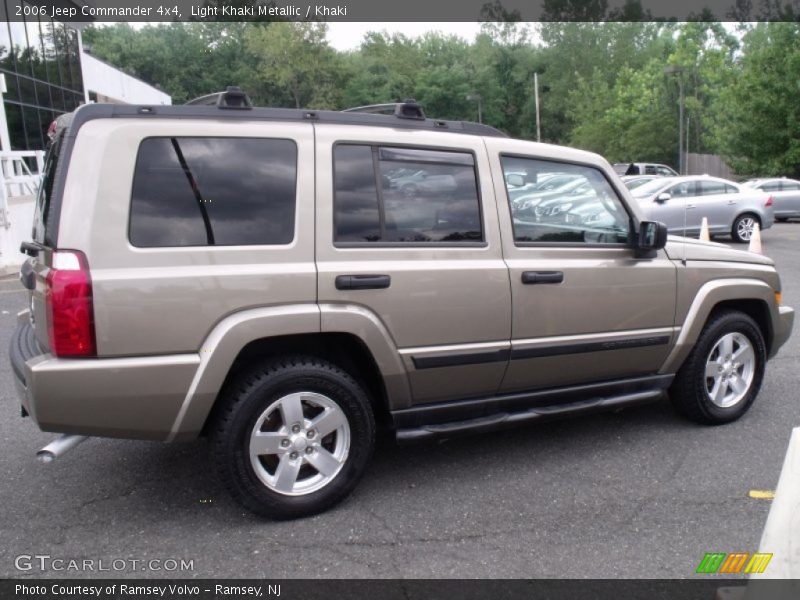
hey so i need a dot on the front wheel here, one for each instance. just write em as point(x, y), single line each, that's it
point(722, 375)
point(293, 437)
point(743, 226)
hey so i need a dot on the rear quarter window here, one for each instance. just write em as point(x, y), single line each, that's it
point(205, 191)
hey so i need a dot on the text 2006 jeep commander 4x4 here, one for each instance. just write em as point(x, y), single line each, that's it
point(281, 280)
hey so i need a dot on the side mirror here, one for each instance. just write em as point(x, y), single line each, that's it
point(652, 237)
point(663, 197)
point(515, 180)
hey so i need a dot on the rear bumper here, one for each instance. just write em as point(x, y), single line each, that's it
point(137, 398)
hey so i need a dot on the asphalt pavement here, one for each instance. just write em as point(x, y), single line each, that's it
point(640, 493)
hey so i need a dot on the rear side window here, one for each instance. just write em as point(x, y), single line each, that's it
point(710, 188)
point(772, 186)
point(193, 191)
point(409, 195)
point(790, 185)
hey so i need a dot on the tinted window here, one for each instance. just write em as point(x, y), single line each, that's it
point(584, 210)
point(790, 185)
point(649, 170)
point(415, 196)
point(357, 214)
point(664, 171)
point(213, 191)
point(685, 188)
point(730, 189)
point(708, 188)
point(772, 186)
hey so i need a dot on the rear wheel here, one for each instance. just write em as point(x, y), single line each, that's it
point(293, 438)
point(722, 375)
point(743, 226)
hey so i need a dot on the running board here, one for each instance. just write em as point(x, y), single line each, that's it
point(541, 413)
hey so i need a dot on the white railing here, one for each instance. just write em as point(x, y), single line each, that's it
point(19, 184)
point(18, 178)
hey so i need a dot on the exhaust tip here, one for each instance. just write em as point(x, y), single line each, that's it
point(45, 456)
point(58, 447)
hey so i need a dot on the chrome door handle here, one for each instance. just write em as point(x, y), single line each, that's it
point(688, 206)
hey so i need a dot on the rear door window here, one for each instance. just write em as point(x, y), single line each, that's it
point(405, 195)
point(203, 191)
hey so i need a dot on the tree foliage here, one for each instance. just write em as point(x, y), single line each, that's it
point(758, 124)
point(603, 86)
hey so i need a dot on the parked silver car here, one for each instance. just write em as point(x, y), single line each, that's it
point(682, 202)
point(785, 194)
point(634, 181)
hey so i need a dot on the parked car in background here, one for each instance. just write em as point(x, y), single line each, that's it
point(785, 195)
point(633, 181)
point(423, 181)
point(644, 169)
point(682, 202)
point(569, 185)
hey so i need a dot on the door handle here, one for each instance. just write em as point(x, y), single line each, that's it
point(690, 206)
point(532, 277)
point(731, 201)
point(363, 282)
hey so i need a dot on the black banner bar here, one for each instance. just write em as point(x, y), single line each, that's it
point(342, 589)
point(394, 11)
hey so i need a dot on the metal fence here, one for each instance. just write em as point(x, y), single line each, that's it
point(708, 164)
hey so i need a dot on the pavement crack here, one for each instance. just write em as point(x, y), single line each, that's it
point(116, 496)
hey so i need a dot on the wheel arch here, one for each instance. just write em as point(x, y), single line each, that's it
point(351, 337)
point(343, 349)
point(750, 296)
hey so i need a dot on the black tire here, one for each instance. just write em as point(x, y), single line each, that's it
point(739, 236)
point(688, 393)
point(246, 400)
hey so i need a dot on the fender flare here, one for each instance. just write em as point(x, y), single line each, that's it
point(226, 340)
point(707, 297)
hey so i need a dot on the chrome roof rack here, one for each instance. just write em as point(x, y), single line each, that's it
point(408, 109)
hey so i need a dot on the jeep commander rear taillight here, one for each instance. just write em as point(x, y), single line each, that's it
point(70, 314)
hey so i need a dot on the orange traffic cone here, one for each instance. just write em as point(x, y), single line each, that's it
point(704, 235)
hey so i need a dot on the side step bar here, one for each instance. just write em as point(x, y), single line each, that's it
point(540, 413)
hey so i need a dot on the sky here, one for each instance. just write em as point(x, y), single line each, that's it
point(348, 36)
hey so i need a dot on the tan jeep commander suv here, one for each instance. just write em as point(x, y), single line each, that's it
point(281, 280)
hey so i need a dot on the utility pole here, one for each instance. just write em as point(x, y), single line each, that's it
point(536, 97)
point(678, 71)
point(477, 98)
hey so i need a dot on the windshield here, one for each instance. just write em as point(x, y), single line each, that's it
point(651, 187)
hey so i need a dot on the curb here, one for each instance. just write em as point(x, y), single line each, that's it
point(781, 534)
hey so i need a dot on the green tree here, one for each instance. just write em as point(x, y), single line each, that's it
point(757, 126)
point(296, 58)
